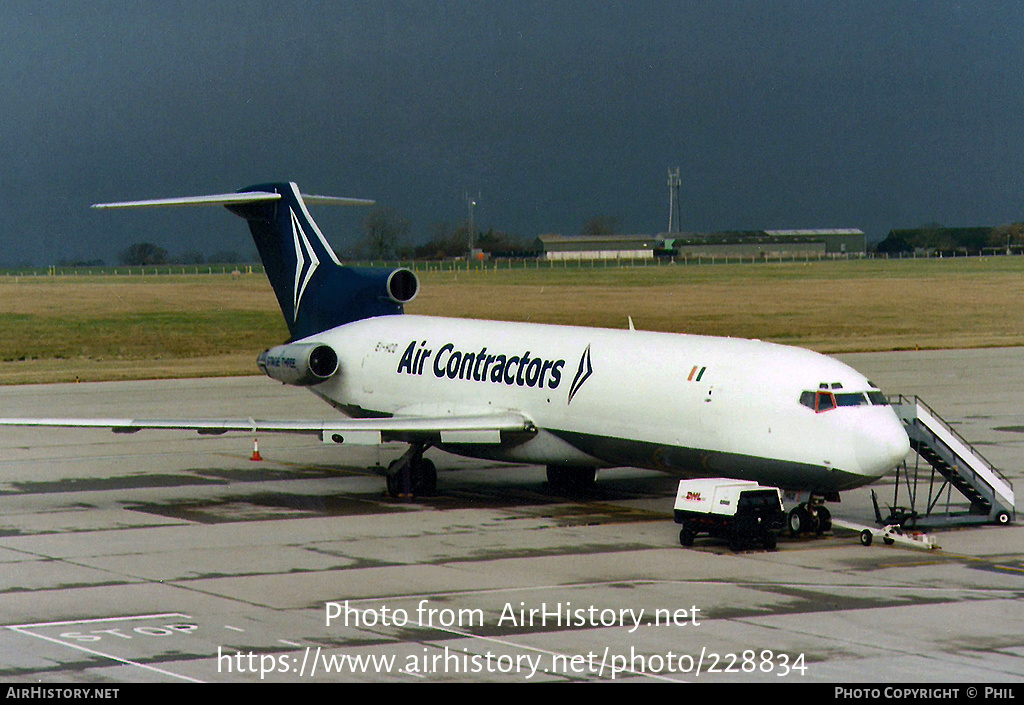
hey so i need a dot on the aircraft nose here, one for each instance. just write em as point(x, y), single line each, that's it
point(885, 446)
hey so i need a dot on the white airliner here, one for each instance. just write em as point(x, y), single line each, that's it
point(574, 399)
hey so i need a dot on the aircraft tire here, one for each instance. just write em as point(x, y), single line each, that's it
point(424, 478)
point(816, 523)
point(394, 481)
point(392, 484)
point(824, 520)
point(571, 480)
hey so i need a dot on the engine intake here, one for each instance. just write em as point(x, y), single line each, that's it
point(300, 364)
point(402, 286)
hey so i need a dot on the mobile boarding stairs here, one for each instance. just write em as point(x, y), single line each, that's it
point(988, 494)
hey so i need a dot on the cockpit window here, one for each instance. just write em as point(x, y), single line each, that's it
point(878, 399)
point(807, 399)
point(824, 401)
point(851, 399)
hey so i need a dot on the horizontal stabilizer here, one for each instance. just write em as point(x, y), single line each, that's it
point(229, 199)
point(336, 200)
point(220, 199)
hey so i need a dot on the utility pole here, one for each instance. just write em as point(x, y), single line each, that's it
point(673, 200)
point(470, 203)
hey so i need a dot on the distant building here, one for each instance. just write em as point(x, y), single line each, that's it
point(769, 243)
point(836, 240)
point(583, 247)
point(753, 243)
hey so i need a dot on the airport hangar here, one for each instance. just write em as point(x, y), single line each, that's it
point(768, 244)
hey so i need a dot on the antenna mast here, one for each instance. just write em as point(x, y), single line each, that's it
point(673, 200)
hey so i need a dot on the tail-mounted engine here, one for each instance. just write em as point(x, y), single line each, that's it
point(402, 285)
point(301, 364)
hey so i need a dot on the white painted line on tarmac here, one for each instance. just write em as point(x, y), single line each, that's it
point(161, 615)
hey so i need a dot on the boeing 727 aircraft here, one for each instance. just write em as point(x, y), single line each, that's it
point(570, 398)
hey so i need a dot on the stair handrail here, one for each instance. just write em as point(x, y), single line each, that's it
point(984, 461)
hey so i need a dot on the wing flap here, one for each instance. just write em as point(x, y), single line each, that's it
point(484, 436)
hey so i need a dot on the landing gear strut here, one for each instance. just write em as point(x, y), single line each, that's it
point(412, 474)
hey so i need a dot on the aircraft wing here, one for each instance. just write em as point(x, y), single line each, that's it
point(475, 429)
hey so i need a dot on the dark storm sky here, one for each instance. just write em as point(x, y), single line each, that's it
point(781, 114)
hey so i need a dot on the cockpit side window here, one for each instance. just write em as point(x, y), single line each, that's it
point(819, 401)
point(878, 399)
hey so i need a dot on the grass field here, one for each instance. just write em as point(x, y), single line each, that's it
point(117, 327)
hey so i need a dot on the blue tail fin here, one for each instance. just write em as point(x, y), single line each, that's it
point(315, 291)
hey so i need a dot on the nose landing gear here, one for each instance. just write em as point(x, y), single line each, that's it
point(810, 517)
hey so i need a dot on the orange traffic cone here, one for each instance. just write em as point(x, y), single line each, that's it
point(256, 450)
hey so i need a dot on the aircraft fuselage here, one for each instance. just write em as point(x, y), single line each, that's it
point(687, 404)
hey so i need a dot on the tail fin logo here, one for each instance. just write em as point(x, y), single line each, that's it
point(306, 263)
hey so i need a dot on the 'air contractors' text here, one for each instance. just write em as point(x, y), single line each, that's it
point(520, 370)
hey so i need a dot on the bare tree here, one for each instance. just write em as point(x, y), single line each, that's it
point(385, 230)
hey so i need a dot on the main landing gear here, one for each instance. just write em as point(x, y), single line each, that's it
point(810, 517)
point(571, 480)
point(412, 475)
